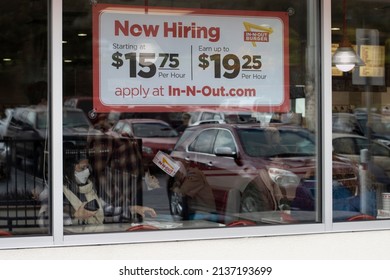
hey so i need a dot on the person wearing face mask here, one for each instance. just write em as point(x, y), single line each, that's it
point(82, 203)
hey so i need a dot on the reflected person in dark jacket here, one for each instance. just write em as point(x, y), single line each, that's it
point(192, 183)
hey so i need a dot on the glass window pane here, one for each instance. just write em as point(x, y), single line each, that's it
point(360, 107)
point(24, 120)
point(245, 111)
point(204, 142)
point(345, 146)
point(224, 139)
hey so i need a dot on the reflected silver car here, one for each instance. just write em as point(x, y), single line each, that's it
point(351, 146)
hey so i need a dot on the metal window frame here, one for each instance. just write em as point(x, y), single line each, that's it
point(325, 117)
point(198, 234)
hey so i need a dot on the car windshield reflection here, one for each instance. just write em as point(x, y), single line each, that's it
point(70, 119)
point(153, 130)
point(291, 143)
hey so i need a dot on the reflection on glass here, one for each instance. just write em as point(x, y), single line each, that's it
point(360, 120)
point(206, 167)
point(24, 176)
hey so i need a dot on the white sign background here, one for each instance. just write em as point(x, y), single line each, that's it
point(188, 85)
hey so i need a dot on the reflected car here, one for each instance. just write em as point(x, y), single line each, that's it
point(351, 146)
point(156, 135)
point(174, 119)
point(85, 103)
point(216, 116)
point(28, 134)
point(240, 157)
point(379, 128)
point(346, 123)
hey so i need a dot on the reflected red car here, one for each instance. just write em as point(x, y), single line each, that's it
point(156, 135)
point(239, 159)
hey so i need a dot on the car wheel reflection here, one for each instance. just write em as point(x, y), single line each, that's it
point(178, 205)
point(250, 201)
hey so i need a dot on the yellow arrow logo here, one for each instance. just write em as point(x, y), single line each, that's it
point(165, 161)
point(250, 26)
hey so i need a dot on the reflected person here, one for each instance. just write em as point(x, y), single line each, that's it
point(185, 122)
point(82, 204)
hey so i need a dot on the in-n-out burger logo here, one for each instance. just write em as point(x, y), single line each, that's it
point(253, 36)
point(166, 163)
point(262, 35)
point(170, 30)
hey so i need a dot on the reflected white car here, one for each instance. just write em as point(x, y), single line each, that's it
point(219, 117)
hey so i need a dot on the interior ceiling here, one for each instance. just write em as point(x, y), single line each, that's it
point(77, 18)
point(362, 14)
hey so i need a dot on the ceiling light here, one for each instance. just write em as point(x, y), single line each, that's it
point(345, 57)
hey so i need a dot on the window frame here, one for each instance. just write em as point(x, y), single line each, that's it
point(324, 105)
point(190, 234)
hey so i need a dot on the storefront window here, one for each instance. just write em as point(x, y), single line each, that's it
point(201, 114)
point(176, 114)
point(24, 134)
point(360, 116)
point(192, 115)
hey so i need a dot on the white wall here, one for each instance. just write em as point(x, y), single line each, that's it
point(350, 245)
